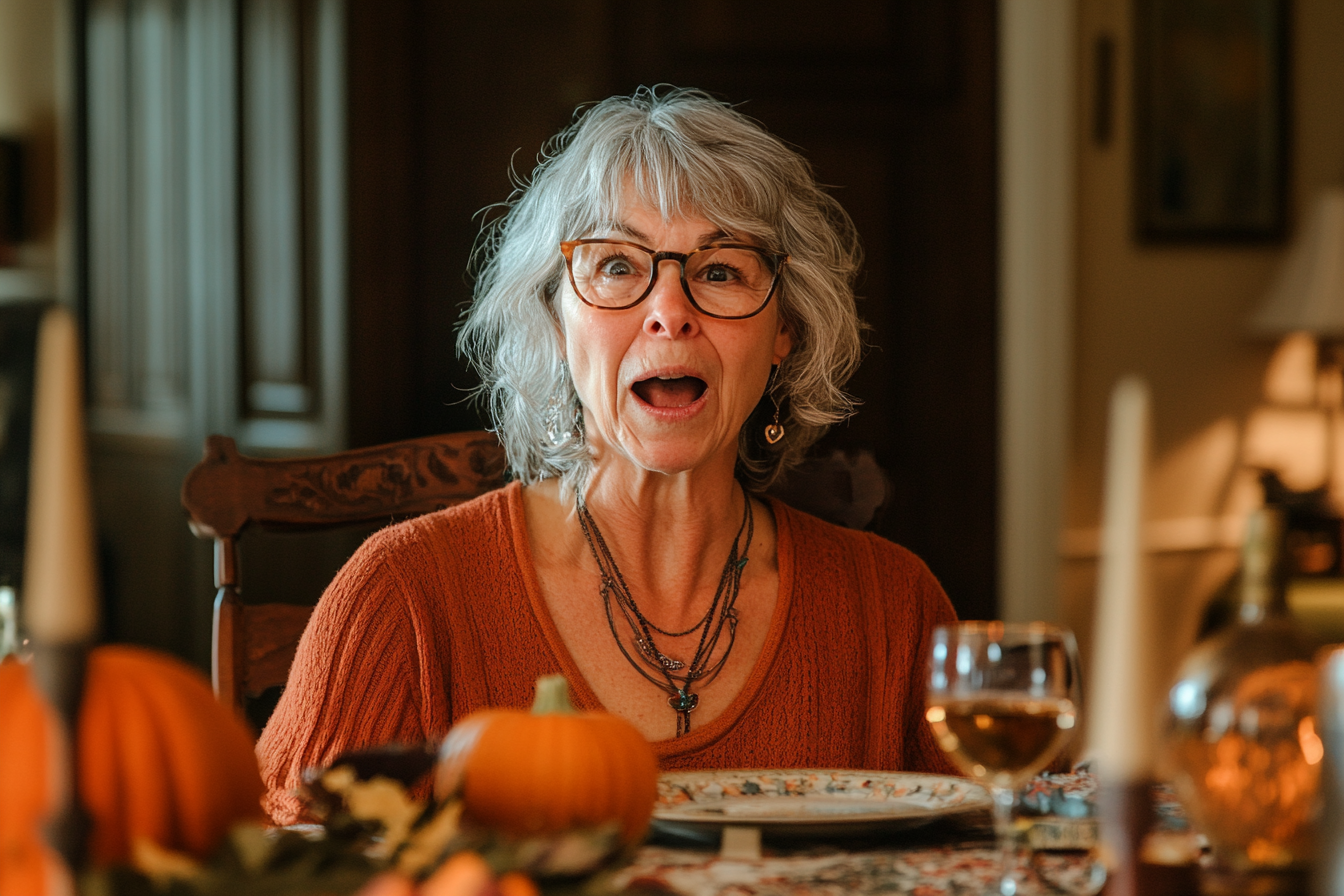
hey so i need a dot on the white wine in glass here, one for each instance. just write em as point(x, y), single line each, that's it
point(1003, 701)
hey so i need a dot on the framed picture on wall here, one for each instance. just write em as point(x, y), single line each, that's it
point(1211, 119)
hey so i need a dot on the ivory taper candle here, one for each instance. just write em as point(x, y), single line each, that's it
point(1121, 726)
point(60, 591)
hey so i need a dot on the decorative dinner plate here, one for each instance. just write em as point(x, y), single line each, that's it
point(807, 802)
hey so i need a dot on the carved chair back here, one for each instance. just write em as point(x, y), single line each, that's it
point(226, 493)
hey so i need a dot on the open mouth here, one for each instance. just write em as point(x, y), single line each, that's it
point(670, 392)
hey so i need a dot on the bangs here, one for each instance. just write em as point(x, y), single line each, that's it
point(662, 170)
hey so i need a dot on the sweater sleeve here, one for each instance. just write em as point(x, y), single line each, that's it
point(922, 750)
point(925, 605)
point(354, 681)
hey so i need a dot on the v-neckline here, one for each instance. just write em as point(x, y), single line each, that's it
point(701, 736)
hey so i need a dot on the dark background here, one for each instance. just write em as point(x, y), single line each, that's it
point(893, 103)
point(18, 354)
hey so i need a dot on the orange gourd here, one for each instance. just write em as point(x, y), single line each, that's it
point(159, 757)
point(549, 770)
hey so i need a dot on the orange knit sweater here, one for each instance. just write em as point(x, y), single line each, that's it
point(442, 615)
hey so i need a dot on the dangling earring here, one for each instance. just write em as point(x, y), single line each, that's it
point(562, 415)
point(559, 432)
point(774, 430)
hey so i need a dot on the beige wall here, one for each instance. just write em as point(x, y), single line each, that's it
point(1176, 315)
point(33, 87)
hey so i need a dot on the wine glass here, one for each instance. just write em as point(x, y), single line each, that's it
point(1003, 702)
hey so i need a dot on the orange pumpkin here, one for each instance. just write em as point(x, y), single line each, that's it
point(159, 757)
point(549, 770)
point(24, 745)
point(464, 874)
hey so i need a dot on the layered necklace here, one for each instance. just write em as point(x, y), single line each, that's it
point(672, 676)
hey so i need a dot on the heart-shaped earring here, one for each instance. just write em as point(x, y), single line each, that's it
point(774, 430)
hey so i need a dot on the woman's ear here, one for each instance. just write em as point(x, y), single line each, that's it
point(783, 343)
point(559, 322)
point(553, 300)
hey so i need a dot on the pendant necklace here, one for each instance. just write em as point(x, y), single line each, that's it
point(672, 676)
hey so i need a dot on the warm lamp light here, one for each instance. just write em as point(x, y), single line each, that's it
point(1293, 442)
point(1294, 434)
point(1292, 378)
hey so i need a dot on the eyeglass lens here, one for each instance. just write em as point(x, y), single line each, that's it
point(730, 282)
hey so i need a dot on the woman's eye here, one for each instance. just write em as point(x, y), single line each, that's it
point(616, 267)
point(719, 273)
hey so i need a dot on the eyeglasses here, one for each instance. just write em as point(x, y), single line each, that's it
point(729, 281)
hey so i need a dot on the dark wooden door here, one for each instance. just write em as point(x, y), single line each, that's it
point(894, 104)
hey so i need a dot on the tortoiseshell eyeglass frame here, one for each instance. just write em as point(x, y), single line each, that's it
point(777, 261)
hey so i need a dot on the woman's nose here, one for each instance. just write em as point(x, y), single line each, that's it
point(668, 311)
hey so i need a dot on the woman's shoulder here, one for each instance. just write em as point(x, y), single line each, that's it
point(482, 516)
point(470, 534)
point(817, 538)
point(864, 563)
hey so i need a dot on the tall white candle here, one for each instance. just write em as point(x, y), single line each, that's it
point(60, 591)
point(1121, 726)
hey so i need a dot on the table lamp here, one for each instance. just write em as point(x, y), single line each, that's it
point(1304, 307)
point(1296, 432)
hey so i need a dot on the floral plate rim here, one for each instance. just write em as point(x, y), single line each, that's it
point(900, 799)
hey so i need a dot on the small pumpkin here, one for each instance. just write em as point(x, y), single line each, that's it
point(550, 770)
point(159, 757)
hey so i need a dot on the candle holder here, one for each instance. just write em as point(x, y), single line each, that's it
point(58, 671)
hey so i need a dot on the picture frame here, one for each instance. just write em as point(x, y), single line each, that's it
point(1211, 120)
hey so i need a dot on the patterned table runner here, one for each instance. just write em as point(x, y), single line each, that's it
point(925, 871)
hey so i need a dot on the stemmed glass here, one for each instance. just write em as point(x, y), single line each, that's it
point(1003, 701)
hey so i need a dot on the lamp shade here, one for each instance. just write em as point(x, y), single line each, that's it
point(1308, 293)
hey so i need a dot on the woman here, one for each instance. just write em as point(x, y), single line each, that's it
point(663, 324)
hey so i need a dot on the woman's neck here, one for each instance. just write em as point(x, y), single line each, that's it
point(669, 535)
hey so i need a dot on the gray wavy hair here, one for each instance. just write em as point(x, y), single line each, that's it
point(678, 150)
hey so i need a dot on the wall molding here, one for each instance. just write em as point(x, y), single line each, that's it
point(1176, 535)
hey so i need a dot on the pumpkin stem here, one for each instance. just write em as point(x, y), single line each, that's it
point(552, 696)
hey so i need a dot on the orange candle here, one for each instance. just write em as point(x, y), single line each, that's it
point(60, 593)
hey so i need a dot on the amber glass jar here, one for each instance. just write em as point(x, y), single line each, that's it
point(1239, 736)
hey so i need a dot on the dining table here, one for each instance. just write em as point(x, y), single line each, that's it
point(917, 868)
point(956, 856)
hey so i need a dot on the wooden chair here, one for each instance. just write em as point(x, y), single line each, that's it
point(224, 494)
